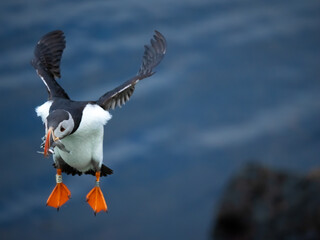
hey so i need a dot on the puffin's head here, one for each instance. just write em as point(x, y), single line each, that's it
point(59, 124)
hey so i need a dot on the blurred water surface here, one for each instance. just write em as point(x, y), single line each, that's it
point(240, 82)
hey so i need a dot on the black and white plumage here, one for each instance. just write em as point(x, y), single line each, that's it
point(78, 126)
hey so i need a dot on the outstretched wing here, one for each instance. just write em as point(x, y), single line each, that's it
point(46, 61)
point(152, 56)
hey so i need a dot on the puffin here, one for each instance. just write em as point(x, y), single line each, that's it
point(74, 129)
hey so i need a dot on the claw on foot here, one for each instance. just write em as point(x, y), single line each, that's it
point(95, 197)
point(60, 194)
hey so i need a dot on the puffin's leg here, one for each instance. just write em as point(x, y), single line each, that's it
point(95, 197)
point(60, 194)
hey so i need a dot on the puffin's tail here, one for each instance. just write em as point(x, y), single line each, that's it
point(104, 171)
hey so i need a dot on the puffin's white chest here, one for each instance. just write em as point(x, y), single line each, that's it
point(85, 145)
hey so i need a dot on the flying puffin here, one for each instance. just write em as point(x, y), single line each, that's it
point(74, 129)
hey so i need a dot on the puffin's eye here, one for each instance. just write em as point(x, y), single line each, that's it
point(62, 129)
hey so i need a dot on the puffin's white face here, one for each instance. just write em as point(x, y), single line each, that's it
point(64, 128)
point(59, 124)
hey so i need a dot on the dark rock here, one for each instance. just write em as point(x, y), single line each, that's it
point(261, 203)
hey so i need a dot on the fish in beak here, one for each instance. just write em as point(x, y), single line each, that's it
point(47, 144)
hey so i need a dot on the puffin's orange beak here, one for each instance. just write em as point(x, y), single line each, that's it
point(47, 144)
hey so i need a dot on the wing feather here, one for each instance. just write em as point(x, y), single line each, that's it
point(153, 54)
point(46, 61)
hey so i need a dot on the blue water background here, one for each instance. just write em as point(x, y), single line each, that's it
point(240, 83)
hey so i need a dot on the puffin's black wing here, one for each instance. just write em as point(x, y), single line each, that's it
point(152, 56)
point(46, 61)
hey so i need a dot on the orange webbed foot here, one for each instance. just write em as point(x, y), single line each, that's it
point(60, 194)
point(96, 199)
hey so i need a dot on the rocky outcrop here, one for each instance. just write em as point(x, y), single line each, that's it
point(265, 204)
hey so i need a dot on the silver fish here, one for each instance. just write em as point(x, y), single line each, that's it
point(60, 145)
point(56, 143)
